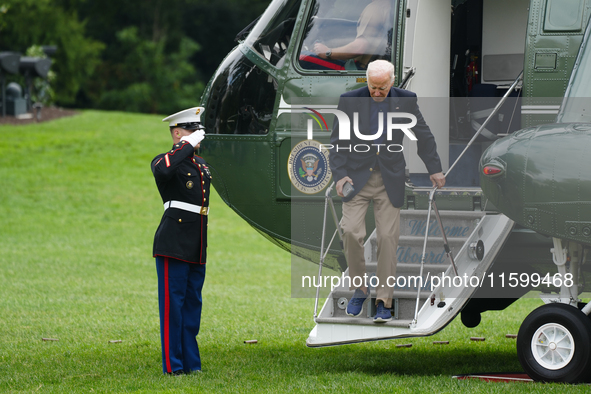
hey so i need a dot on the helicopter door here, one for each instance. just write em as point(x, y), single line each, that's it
point(555, 33)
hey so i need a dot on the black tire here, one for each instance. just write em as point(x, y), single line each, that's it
point(567, 359)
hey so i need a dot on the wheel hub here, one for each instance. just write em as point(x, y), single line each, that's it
point(553, 346)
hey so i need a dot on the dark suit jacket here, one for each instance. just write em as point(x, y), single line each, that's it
point(182, 176)
point(359, 165)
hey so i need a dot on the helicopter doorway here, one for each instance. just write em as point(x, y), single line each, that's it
point(487, 43)
point(487, 52)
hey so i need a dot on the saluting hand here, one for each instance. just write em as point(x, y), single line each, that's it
point(194, 138)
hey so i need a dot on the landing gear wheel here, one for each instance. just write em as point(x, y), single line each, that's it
point(554, 344)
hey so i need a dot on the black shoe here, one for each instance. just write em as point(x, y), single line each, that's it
point(176, 373)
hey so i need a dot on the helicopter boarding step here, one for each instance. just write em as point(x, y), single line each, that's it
point(439, 300)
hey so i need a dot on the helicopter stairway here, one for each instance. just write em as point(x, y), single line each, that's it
point(437, 299)
point(475, 237)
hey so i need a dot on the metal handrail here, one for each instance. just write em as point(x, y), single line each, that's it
point(327, 201)
point(433, 205)
point(494, 111)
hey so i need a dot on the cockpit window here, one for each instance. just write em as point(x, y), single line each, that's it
point(272, 33)
point(241, 98)
point(347, 34)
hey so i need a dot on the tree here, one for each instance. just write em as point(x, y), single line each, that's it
point(45, 22)
point(133, 55)
point(215, 24)
point(145, 66)
point(150, 80)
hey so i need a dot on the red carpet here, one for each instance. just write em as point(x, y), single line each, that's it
point(498, 377)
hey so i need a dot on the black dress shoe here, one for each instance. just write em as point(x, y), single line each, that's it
point(179, 372)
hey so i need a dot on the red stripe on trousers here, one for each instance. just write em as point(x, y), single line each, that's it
point(166, 318)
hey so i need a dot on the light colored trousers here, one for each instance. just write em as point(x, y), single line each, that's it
point(388, 232)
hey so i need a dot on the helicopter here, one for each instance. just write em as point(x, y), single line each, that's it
point(536, 177)
point(482, 69)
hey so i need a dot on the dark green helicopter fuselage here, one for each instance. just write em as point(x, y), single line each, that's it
point(251, 132)
point(540, 176)
point(543, 182)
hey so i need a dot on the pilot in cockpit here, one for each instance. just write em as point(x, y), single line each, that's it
point(336, 48)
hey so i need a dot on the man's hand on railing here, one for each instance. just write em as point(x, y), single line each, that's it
point(438, 179)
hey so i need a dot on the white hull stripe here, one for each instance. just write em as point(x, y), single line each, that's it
point(540, 109)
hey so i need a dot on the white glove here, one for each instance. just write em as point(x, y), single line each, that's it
point(194, 138)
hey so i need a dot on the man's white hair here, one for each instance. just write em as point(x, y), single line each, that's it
point(380, 67)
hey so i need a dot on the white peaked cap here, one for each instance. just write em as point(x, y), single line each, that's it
point(191, 115)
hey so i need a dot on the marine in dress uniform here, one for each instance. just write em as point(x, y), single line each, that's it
point(180, 243)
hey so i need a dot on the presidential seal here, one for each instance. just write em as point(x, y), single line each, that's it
point(308, 168)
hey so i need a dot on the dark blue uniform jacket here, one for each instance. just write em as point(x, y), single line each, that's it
point(182, 176)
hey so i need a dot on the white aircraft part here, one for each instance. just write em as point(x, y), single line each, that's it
point(504, 28)
point(492, 230)
point(426, 48)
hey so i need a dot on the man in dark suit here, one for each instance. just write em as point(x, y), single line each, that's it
point(180, 243)
point(375, 168)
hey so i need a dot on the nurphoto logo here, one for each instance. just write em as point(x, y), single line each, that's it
point(393, 120)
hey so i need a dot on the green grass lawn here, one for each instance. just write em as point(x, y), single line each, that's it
point(78, 211)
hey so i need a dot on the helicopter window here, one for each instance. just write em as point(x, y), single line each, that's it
point(241, 99)
point(272, 34)
point(347, 34)
point(563, 16)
